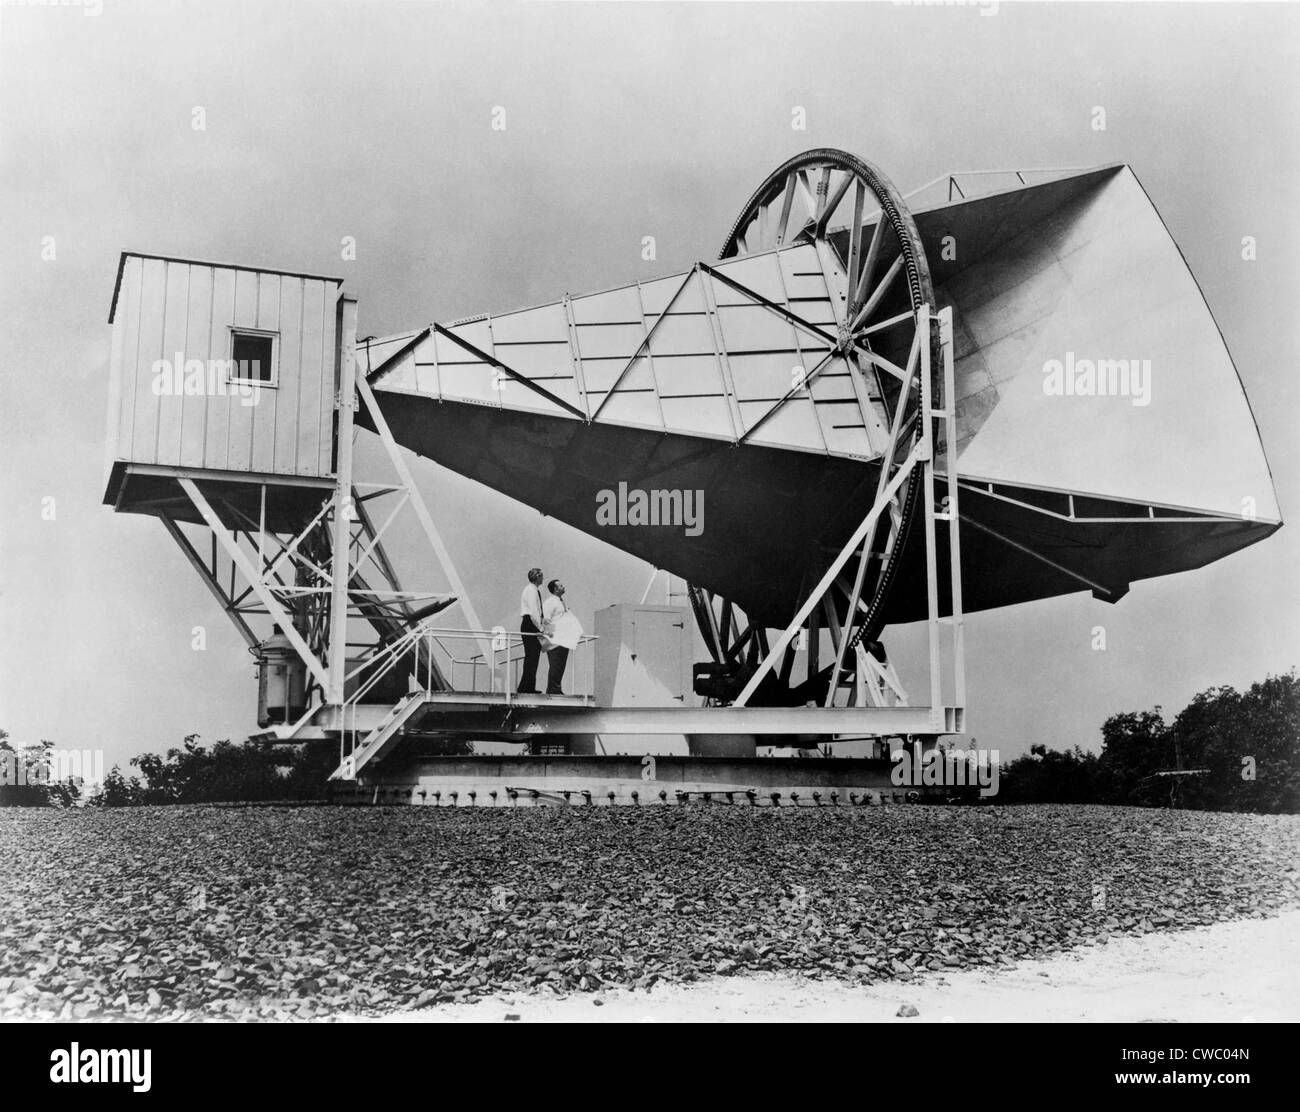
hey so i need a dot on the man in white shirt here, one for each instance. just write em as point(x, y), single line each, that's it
point(557, 657)
point(530, 628)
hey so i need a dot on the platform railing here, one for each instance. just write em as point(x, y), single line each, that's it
point(497, 671)
point(493, 673)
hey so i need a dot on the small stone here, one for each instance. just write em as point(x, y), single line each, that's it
point(907, 1012)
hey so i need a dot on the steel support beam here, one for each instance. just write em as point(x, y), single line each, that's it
point(277, 612)
point(345, 406)
point(214, 475)
point(823, 721)
point(868, 523)
point(919, 465)
point(396, 458)
point(1053, 564)
point(493, 361)
point(209, 581)
point(952, 510)
point(928, 500)
point(644, 346)
point(865, 559)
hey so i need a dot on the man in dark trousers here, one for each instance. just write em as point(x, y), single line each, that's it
point(530, 628)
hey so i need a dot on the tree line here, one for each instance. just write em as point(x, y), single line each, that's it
point(225, 772)
point(1227, 750)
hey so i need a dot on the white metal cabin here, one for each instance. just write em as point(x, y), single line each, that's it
point(176, 402)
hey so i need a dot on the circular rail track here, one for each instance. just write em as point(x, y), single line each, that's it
point(874, 263)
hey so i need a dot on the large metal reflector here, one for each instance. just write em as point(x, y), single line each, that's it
point(769, 381)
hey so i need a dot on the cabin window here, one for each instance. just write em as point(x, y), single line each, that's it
point(253, 356)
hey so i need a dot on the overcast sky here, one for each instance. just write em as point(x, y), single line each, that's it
point(373, 120)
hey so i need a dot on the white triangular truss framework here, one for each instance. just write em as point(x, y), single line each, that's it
point(749, 350)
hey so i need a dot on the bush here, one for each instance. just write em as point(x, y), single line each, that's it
point(117, 791)
point(25, 777)
point(250, 772)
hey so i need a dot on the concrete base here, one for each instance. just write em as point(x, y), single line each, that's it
point(585, 780)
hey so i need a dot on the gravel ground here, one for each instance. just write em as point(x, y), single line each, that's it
point(241, 913)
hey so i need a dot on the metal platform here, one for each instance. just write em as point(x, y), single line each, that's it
point(454, 712)
point(370, 733)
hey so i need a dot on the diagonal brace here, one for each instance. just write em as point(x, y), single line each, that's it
point(868, 523)
point(242, 562)
point(493, 361)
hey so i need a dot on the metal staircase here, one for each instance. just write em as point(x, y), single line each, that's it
point(377, 740)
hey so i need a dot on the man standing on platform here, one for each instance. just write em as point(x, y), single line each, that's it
point(563, 633)
point(530, 629)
